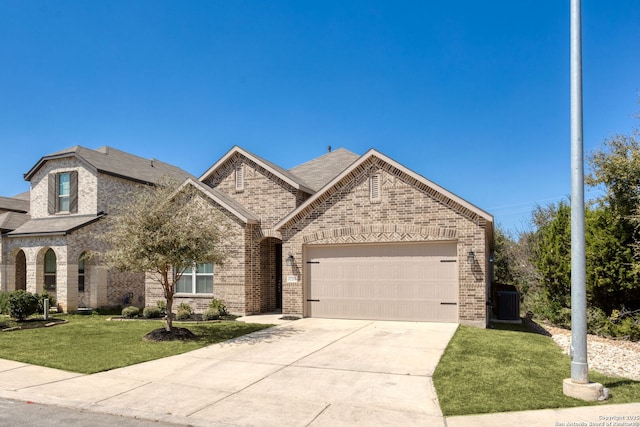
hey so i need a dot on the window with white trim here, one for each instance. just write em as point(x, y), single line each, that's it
point(375, 187)
point(239, 178)
point(196, 280)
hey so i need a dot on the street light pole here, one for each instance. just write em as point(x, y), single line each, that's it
point(579, 369)
point(578, 385)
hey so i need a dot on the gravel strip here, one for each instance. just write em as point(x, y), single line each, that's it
point(617, 358)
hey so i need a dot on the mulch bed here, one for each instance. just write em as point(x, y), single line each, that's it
point(175, 334)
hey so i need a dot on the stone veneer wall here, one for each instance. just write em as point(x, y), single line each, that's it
point(407, 211)
point(103, 287)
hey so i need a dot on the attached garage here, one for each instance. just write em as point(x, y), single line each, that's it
point(390, 281)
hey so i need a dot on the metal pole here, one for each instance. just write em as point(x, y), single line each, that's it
point(579, 369)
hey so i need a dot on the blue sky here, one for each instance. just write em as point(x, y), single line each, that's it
point(472, 95)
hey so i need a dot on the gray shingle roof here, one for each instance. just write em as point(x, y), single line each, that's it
point(54, 225)
point(12, 220)
point(13, 204)
point(115, 162)
point(319, 171)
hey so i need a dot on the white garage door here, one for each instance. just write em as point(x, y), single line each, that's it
point(386, 281)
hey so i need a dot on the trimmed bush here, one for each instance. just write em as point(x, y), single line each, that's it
point(130, 312)
point(162, 306)
point(22, 304)
point(41, 297)
point(219, 306)
point(109, 310)
point(211, 314)
point(151, 312)
point(183, 314)
point(4, 302)
point(185, 307)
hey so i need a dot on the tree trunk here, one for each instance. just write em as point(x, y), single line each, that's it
point(169, 311)
point(168, 294)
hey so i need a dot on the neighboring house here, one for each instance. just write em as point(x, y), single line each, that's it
point(342, 236)
point(45, 239)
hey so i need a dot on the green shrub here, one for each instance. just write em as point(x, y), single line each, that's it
point(41, 297)
point(162, 306)
point(151, 312)
point(183, 314)
point(22, 304)
point(183, 306)
point(4, 302)
point(219, 306)
point(109, 310)
point(130, 312)
point(211, 314)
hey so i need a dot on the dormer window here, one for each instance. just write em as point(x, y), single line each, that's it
point(239, 178)
point(63, 192)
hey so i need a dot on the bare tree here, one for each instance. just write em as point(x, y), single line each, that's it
point(164, 229)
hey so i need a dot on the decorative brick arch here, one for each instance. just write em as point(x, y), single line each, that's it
point(381, 233)
point(265, 233)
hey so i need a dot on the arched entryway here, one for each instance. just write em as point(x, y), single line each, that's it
point(270, 274)
point(21, 271)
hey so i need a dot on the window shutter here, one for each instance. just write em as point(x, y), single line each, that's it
point(375, 187)
point(73, 192)
point(239, 178)
point(53, 194)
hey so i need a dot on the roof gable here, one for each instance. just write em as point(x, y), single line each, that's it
point(286, 176)
point(118, 163)
point(319, 171)
point(223, 200)
point(433, 190)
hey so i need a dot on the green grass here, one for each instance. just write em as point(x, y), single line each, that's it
point(89, 344)
point(489, 370)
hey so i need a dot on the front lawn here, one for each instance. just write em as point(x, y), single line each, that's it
point(90, 343)
point(489, 370)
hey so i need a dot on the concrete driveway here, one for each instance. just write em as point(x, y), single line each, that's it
point(309, 372)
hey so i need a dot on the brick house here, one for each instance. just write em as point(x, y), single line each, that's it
point(342, 236)
point(47, 232)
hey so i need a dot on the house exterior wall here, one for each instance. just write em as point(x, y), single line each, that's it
point(404, 213)
point(103, 286)
point(230, 280)
point(87, 186)
point(264, 194)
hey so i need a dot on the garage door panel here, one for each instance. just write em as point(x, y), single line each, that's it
point(393, 281)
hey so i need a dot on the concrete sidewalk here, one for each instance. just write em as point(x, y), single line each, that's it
point(311, 372)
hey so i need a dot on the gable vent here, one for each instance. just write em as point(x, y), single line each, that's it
point(239, 178)
point(375, 187)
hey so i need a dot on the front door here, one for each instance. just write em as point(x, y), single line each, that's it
point(278, 260)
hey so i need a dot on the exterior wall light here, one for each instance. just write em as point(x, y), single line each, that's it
point(290, 260)
point(471, 257)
